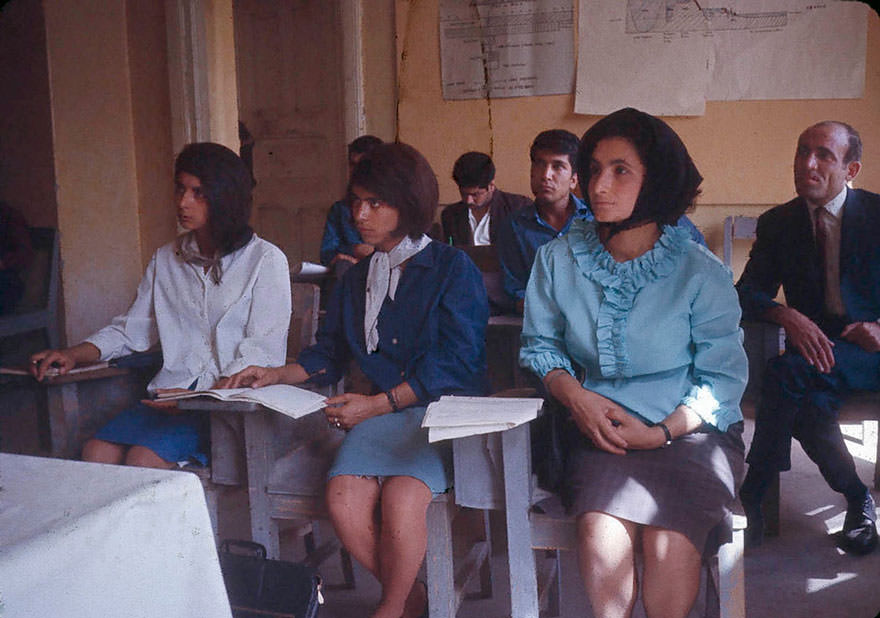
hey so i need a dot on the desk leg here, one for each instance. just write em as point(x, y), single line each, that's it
point(521, 558)
point(63, 404)
point(258, 447)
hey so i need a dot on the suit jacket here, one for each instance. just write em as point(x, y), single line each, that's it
point(785, 254)
point(456, 224)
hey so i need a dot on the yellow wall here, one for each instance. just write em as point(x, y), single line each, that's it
point(743, 149)
point(94, 160)
point(27, 170)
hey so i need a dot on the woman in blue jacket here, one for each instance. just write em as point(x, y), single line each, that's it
point(412, 318)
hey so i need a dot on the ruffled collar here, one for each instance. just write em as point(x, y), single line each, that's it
point(620, 283)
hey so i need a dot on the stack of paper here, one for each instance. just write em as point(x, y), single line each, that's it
point(456, 417)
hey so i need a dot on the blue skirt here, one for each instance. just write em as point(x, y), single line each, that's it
point(173, 437)
point(395, 445)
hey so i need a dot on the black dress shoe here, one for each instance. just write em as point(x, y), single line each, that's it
point(859, 534)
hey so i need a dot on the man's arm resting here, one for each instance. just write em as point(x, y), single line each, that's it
point(806, 336)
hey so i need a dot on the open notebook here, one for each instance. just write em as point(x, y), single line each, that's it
point(288, 400)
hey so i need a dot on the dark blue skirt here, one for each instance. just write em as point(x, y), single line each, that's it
point(173, 437)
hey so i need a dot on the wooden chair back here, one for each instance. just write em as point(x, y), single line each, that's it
point(305, 300)
point(38, 307)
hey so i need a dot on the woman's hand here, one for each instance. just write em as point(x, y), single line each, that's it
point(639, 436)
point(41, 362)
point(255, 377)
point(347, 410)
point(600, 419)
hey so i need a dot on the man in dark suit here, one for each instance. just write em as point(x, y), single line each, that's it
point(823, 248)
point(476, 218)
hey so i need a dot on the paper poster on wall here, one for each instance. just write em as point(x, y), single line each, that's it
point(668, 57)
point(506, 49)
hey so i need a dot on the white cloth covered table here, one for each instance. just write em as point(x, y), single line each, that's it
point(86, 540)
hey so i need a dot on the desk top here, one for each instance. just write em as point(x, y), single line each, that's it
point(81, 540)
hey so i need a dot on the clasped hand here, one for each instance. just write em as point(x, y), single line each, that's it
point(609, 426)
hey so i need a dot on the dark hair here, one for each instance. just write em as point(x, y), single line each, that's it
point(557, 141)
point(363, 144)
point(854, 146)
point(473, 169)
point(672, 181)
point(227, 185)
point(399, 175)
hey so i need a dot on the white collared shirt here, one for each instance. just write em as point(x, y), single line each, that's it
point(206, 330)
point(480, 230)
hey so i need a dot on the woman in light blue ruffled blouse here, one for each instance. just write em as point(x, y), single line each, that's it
point(634, 329)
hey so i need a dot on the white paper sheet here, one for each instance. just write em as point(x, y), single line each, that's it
point(456, 417)
point(667, 57)
point(506, 49)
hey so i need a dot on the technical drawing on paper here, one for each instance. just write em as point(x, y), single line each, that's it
point(666, 16)
point(506, 48)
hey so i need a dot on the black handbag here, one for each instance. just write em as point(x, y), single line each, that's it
point(552, 435)
point(259, 587)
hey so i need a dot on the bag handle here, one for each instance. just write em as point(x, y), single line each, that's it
point(254, 548)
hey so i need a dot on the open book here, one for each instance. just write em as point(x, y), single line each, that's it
point(288, 400)
point(456, 417)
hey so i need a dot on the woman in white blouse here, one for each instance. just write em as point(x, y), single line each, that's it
point(217, 299)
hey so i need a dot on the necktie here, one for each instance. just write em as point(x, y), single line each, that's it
point(829, 262)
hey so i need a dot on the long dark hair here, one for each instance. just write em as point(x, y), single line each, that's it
point(672, 181)
point(227, 185)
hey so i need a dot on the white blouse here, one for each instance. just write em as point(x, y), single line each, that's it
point(206, 330)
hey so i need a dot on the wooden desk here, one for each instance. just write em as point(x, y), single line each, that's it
point(71, 408)
point(493, 471)
point(282, 461)
point(502, 354)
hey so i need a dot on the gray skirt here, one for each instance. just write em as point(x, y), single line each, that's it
point(687, 487)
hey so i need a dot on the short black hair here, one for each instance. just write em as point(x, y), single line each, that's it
point(854, 146)
point(227, 185)
point(557, 141)
point(399, 175)
point(672, 181)
point(473, 169)
point(363, 144)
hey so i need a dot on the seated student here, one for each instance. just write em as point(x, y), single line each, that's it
point(474, 221)
point(649, 323)
point(412, 318)
point(553, 179)
point(217, 299)
point(341, 245)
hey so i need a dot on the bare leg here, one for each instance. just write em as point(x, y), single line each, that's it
point(143, 457)
point(352, 502)
point(403, 541)
point(672, 573)
point(101, 451)
point(606, 558)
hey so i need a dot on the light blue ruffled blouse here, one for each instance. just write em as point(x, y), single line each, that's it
point(650, 333)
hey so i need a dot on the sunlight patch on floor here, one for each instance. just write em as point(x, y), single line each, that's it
point(816, 584)
point(861, 439)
